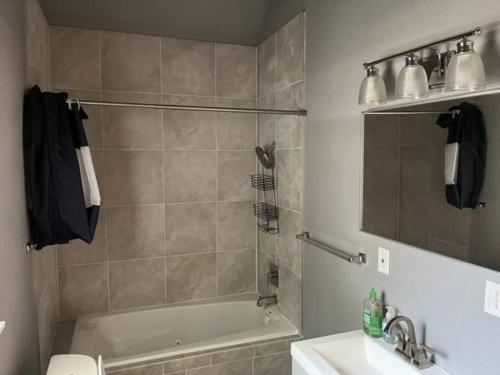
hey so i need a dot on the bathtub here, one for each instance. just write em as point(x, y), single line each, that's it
point(134, 337)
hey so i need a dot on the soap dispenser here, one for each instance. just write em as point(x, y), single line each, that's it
point(372, 315)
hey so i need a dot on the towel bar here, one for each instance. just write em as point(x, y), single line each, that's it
point(306, 237)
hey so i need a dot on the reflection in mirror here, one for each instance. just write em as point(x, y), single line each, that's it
point(405, 196)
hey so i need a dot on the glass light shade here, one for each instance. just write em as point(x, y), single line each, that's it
point(372, 90)
point(412, 80)
point(465, 70)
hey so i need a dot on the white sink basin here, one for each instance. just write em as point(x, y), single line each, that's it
point(353, 353)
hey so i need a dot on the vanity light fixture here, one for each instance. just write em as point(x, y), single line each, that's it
point(412, 80)
point(465, 70)
point(372, 90)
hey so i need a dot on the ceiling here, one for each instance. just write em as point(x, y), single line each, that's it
point(229, 21)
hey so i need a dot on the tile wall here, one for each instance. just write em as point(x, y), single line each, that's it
point(176, 222)
point(281, 85)
point(271, 357)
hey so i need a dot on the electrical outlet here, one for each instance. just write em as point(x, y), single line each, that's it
point(492, 299)
point(383, 260)
point(2, 327)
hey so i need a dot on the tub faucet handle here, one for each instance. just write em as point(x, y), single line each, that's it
point(267, 300)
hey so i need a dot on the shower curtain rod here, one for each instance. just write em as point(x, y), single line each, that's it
point(454, 112)
point(298, 112)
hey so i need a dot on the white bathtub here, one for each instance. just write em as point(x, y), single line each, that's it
point(136, 336)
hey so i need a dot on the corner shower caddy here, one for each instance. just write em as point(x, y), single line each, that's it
point(266, 210)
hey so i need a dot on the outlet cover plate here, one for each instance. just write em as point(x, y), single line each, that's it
point(383, 260)
point(492, 298)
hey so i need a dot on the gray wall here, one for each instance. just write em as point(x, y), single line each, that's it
point(19, 343)
point(43, 262)
point(442, 295)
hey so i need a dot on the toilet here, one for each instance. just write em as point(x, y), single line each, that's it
point(75, 364)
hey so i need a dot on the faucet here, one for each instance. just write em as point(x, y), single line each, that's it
point(407, 348)
point(267, 300)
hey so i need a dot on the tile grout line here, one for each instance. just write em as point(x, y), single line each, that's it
point(165, 294)
point(105, 171)
point(217, 258)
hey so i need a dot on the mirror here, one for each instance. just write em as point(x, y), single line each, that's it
point(405, 195)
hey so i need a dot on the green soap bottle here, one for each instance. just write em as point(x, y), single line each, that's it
point(373, 315)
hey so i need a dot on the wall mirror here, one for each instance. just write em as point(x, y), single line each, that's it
point(405, 189)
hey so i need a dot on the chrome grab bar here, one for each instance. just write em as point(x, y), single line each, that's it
point(306, 237)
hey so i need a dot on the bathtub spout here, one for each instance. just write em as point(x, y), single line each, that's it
point(267, 300)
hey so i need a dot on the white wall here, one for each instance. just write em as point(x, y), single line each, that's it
point(443, 296)
point(19, 343)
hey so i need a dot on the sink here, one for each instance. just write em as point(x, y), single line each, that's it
point(352, 353)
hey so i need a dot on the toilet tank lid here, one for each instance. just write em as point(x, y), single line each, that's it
point(75, 364)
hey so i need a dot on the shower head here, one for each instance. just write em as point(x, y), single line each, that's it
point(266, 155)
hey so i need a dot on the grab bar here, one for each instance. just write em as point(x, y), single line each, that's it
point(306, 237)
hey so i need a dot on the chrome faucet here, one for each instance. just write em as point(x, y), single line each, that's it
point(267, 300)
point(407, 348)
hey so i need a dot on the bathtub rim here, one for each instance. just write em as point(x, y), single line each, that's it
point(161, 356)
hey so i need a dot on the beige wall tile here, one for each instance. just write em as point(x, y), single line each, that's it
point(421, 129)
point(414, 212)
point(381, 167)
point(272, 347)
point(134, 177)
point(263, 269)
point(189, 130)
point(449, 249)
point(289, 247)
point(422, 167)
point(190, 228)
point(136, 283)
point(236, 71)
point(236, 272)
point(136, 232)
point(74, 58)
point(276, 364)
point(267, 64)
point(234, 169)
point(188, 67)
point(243, 367)
point(232, 355)
point(80, 252)
point(289, 128)
point(236, 131)
point(289, 168)
point(290, 296)
point(83, 290)
point(266, 131)
point(144, 370)
point(130, 62)
point(235, 225)
point(181, 364)
point(385, 213)
point(191, 277)
point(132, 127)
point(381, 130)
point(448, 223)
point(267, 243)
point(290, 52)
point(189, 176)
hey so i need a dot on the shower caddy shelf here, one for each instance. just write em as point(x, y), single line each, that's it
point(266, 211)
